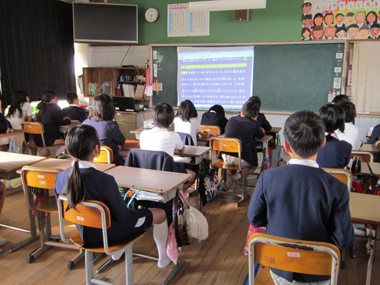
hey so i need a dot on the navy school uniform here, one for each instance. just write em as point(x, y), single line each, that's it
point(3, 124)
point(214, 119)
point(102, 187)
point(51, 119)
point(264, 123)
point(75, 113)
point(302, 202)
point(246, 130)
point(109, 135)
point(335, 153)
point(375, 134)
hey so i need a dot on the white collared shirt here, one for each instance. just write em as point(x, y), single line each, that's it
point(73, 105)
point(304, 162)
point(85, 164)
point(354, 135)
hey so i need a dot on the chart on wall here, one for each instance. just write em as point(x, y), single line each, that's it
point(346, 19)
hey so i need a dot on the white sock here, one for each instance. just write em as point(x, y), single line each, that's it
point(160, 235)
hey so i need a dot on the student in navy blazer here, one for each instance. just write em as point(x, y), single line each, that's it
point(375, 134)
point(300, 200)
point(101, 118)
point(74, 112)
point(335, 153)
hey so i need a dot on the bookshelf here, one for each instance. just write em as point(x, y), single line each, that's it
point(98, 80)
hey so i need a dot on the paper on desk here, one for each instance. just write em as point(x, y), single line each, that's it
point(182, 159)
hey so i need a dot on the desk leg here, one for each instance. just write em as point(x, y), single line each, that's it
point(370, 261)
point(33, 234)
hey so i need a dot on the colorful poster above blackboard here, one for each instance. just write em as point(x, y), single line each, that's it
point(344, 19)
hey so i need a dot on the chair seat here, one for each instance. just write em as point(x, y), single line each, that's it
point(130, 144)
point(47, 205)
point(77, 240)
point(223, 165)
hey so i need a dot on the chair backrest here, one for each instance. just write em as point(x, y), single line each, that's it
point(34, 128)
point(149, 159)
point(105, 155)
point(305, 257)
point(88, 213)
point(343, 175)
point(37, 177)
point(377, 143)
point(223, 144)
point(365, 155)
point(186, 138)
point(211, 129)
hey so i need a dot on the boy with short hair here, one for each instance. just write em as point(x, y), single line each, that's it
point(74, 112)
point(246, 128)
point(301, 200)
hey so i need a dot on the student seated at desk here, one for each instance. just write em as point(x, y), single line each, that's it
point(2, 200)
point(215, 117)
point(84, 181)
point(161, 139)
point(187, 121)
point(301, 200)
point(50, 115)
point(355, 135)
point(19, 110)
point(375, 135)
point(339, 99)
point(246, 128)
point(74, 112)
point(101, 118)
point(264, 123)
point(335, 153)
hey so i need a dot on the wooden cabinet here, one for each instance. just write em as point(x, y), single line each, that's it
point(129, 121)
point(106, 80)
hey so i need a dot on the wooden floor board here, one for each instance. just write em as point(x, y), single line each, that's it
point(217, 260)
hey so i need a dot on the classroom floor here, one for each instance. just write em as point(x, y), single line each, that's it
point(217, 260)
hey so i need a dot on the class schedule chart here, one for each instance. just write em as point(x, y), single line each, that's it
point(209, 76)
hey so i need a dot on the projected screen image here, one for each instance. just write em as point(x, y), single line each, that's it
point(209, 76)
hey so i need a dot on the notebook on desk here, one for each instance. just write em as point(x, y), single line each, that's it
point(125, 104)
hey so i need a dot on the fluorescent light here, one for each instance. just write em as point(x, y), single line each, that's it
point(222, 5)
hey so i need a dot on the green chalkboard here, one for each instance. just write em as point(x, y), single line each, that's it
point(287, 77)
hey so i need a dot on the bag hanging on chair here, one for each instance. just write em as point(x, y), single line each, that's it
point(195, 222)
point(180, 229)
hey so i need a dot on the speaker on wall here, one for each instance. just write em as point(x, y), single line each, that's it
point(241, 15)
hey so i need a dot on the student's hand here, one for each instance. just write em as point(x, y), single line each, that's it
point(1, 110)
point(263, 130)
point(180, 150)
point(67, 118)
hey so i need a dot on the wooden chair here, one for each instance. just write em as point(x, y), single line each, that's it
point(95, 214)
point(365, 155)
point(343, 175)
point(36, 128)
point(211, 129)
point(305, 257)
point(43, 179)
point(231, 145)
point(105, 155)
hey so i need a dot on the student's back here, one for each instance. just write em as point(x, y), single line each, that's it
point(101, 119)
point(50, 115)
point(215, 117)
point(74, 113)
point(375, 134)
point(19, 110)
point(300, 200)
point(187, 121)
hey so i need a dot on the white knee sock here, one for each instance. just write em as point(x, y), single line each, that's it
point(160, 235)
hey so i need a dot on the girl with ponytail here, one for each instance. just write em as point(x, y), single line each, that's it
point(50, 115)
point(84, 181)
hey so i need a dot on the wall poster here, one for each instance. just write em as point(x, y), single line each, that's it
point(343, 19)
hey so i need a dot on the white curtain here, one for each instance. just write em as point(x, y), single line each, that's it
point(366, 76)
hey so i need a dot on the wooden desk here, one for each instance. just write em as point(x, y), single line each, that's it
point(369, 147)
point(63, 164)
point(365, 208)
point(162, 183)
point(195, 152)
point(10, 162)
point(65, 129)
point(274, 132)
point(17, 136)
point(138, 132)
point(375, 168)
